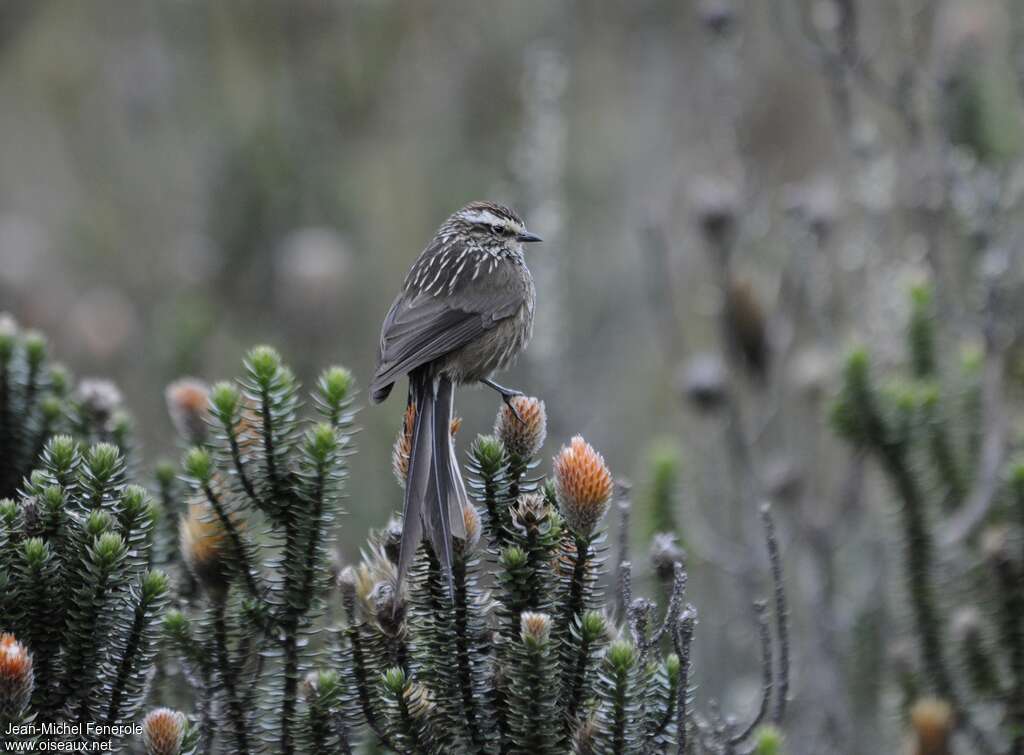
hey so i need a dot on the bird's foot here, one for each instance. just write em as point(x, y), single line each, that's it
point(507, 394)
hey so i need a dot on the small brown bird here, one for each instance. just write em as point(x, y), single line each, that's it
point(465, 310)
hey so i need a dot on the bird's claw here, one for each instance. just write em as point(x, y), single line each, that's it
point(507, 394)
point(507, 397)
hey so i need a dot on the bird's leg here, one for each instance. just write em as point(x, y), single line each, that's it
point(507, 394)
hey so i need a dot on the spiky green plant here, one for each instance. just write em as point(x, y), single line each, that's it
point(517, 658)
point(80, 594)
point(39, 399)
point(264, 491)
point(528, 665)
point(906, 424)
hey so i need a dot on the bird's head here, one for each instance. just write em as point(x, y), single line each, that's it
point(491, 224)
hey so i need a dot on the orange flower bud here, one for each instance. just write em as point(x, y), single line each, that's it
point(16, 677)
point(583, 485)
point(188, 404)
point(402, 449)
point(205, 548)
point(932, 720)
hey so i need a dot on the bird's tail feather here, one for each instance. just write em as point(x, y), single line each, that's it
point(434, 492)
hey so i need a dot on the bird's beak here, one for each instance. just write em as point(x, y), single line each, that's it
point(528, 238)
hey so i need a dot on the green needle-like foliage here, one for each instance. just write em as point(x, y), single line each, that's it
point(902, 423)
point(76, 545)
point(38, 399)
point(265, 488)
point(533, 688)
point(663, 487)
point(618, 695)
point(524, 666)
point(515, 658)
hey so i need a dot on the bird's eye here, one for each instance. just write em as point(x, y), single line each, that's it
point(500, 230)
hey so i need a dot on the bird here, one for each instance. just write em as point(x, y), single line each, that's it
point(464, 312)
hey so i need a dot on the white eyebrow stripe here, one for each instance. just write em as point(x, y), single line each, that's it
point(485, 216)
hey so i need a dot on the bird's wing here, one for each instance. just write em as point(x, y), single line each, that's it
point(422, 327)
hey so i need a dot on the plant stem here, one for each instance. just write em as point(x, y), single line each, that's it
point(236, 714)
point(469, 700)
point(127, 661)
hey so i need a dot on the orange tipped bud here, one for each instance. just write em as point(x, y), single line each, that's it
point(522, 439)
point(583, 485)
point(455, 426)
point(932, 720)
point(16, 677)
point(402, 449)
point(188, 404)
point(471, 521)
point(205, 548)
point(163, 731)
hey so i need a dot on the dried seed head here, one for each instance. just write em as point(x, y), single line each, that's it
point(391, 539)
point(163, 731)
point(531, 514)
point(100, 396)
point(665, 554)
point(388, 608)
point(309, 686)
point(348, 580)
point(379, 602)
point(816, 204)
point(522, 439)
point(932, 721)
point(995, 541)
point(16, 677)
point(205, 549)
point(402, 449)
point(585, 739)
point(717, 205)
point(99, 401)
point(702, 382)
point(583, 485)
point(188, 404)
point(535, 628)
point(718, 16)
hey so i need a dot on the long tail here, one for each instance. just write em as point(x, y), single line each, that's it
point(434, 490)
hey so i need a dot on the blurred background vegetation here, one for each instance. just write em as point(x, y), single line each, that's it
point(730, 193)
